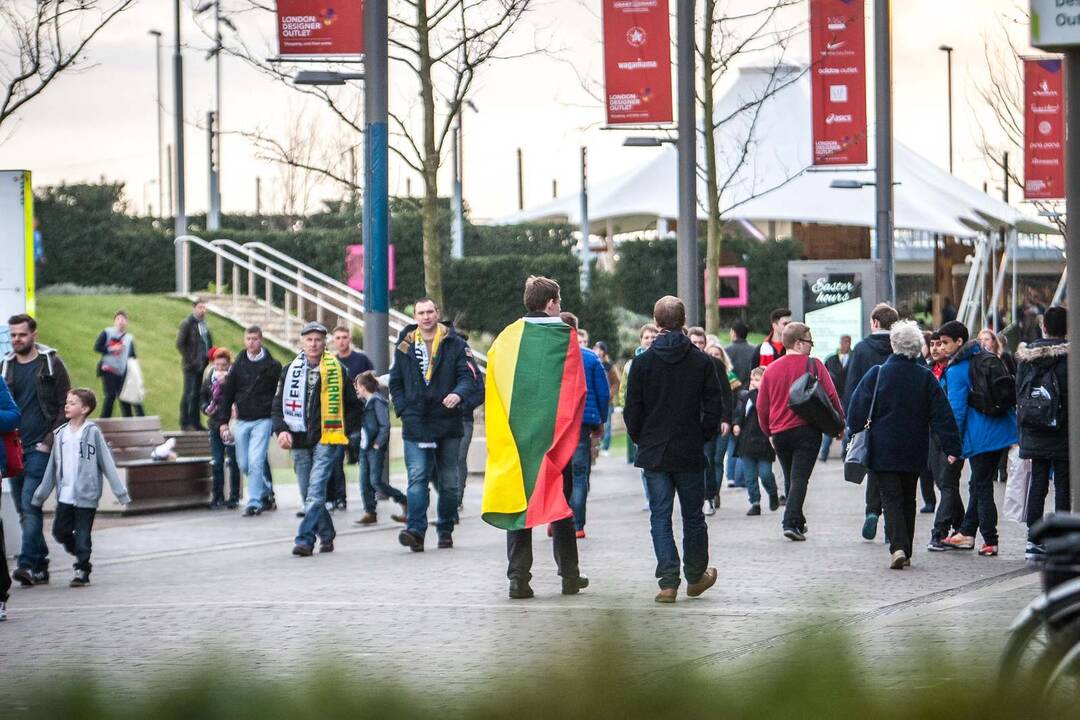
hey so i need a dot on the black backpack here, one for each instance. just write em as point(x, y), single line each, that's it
point(993, 388)
point(1038, 399)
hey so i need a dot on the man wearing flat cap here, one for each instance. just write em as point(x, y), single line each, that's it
point(314, 410)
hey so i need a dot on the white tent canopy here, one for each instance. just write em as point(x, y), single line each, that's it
point(763, 165)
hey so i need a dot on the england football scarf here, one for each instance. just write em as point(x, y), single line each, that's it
point(331, 399)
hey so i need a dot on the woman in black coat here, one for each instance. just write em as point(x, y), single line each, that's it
point(908, 405)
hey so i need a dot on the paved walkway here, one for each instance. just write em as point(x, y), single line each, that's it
point(169, 589)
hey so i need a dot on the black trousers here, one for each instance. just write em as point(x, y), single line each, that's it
point(71, 528)
point(5, 574)
point(950, 510)
point(113, 384)
point(1040, 486)
point(564, 544)
point(981, 512)
point(898, 502)
point(797, 451)
point(873, 494)
point(189, 399)
point(926, 485)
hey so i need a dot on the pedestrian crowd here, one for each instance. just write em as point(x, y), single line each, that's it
point(909, 408)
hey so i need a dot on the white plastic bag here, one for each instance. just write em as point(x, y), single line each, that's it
point(132, 391)
point(1016, 487)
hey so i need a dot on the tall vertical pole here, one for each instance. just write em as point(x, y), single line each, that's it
point(554, 188)
point(169, 176)
point(211, 173)
point(376, 187)
point(583, 248)
point(160, 129)
point(1014, 240)
point(884, 146)
point(521, 180)
point(215, 198)
point(948, 69)
point(457, 229)
point(180, 225)
point(258, 196)
point(689, 277)
point(1072, 260)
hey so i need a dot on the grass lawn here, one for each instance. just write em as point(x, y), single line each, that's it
point(71, 323)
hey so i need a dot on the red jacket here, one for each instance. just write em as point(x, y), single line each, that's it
point(773, 413)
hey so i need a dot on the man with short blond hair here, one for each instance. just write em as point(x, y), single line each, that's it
point(672, 408)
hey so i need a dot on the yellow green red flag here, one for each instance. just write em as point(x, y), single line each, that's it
point(534, 401)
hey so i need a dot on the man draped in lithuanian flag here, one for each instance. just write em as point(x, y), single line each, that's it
point(534, 402)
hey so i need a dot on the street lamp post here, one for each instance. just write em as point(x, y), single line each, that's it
point(376, 187)
point(689, 277)
point(180, 225)
point(213, 210)
point(160, 131)
point(948, 70)
point(884, 146)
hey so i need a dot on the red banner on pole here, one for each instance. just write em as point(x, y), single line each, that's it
point(637, 61)
point(838, 81)
point(1044, 129)
point(320, 27)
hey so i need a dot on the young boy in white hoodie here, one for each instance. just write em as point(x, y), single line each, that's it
point(80, 458)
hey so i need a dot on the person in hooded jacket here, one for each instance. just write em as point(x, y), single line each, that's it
point(985, 438)
point(903, 403)
point(1046, 445)
point(870, 352)
point(429, 381)
point(9, 420)
point(673, 407)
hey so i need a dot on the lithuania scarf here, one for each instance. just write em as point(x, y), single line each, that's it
point(331, 399)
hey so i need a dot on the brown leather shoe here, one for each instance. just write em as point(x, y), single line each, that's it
point(707, 580)
point(404, 516)
point(666, 596)
point(368, 518)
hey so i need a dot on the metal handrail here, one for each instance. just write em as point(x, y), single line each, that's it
point(250, 256)
point(267, 276)
point(401, 318)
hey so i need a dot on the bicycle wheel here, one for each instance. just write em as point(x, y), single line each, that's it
point(1064, 680)
point(1041, 636)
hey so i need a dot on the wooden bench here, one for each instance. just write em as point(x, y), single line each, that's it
point(156, 485)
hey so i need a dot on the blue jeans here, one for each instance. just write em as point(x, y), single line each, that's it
point(731, 470)
point(581, 464)
point(605, 441)
point(34, 553)
point(313, 467)
point(826, 445)
point(223, 455)
point(252, 440)
point(424, 465)
point(714, 465)
point(371, 479)
point(750, 470)
point(690, 487)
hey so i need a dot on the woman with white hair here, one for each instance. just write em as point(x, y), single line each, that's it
point(899, 403)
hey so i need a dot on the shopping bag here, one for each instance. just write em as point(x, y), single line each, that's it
point(1016, 487)
point(809, 400)
point(132, 391)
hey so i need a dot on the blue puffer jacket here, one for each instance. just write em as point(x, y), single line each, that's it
point(981, 433)
point(10, 416)
point(599, 394)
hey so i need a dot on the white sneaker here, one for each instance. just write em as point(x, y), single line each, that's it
point(645, 507)
point(709, 508)
point(3, 611)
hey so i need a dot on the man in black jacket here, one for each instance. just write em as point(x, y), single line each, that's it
point(315, 443)
point(39, 384)
point(870, 351)
point(1044, 438)
point(429, 380)
point(672, 408)
point(250, 386)
point(193, 341)
point(837, 365)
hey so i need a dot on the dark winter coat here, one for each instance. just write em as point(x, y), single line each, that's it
point(376, 422)
point(751, 442)
point(838, 371)
point(313, 414)
point(870, 351)
point(189, 343)
point(53, 384)
point(424, 418)
point(251, 386)
point(1045, 443)
point(741, 354)
point(909, 402)
point(673, 405)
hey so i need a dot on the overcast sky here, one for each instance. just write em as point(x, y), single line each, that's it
point(102, 121)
